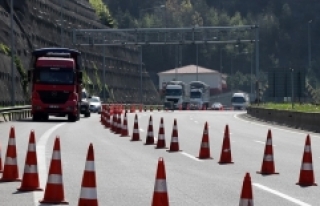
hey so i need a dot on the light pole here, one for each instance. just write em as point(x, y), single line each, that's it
point(309, 45)
point(292, 89)
point(61, 24)
point(13, 100)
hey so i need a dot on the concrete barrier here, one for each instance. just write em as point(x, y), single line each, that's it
point(299, 120)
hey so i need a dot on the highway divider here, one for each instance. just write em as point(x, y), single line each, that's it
point(299, 120)
point(15, 113)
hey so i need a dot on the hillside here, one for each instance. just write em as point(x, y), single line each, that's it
point(37, 24)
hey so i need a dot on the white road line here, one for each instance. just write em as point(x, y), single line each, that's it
point(190, 156)
point(284, 196)
point(196, 122)
point(141, 130)
point(270, 126)
point(41, 157)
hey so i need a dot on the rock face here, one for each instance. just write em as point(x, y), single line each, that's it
point(37, 24)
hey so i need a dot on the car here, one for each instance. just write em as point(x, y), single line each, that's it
point(216, 106)
point(95, 104)
point(84, 107)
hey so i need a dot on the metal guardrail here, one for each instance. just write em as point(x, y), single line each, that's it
point(15, 113)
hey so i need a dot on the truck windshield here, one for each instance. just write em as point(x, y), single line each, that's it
point(54, 76)
point(173, 92)
point(195, 95)
point(238, 100)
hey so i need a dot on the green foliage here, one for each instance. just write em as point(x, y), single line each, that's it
point(4, 49)
point(86, 80)
point(97, 78)
point(103, 12)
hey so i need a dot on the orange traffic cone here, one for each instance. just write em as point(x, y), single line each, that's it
point(267, 167)
point(30, 179)
point(124, 130)
point(306, 172)
point(88, 194)
point(161, 143)
point(174, 145)
point(119, 125)
point(1, 169)
point(54, 192)
point(160, 194)
point(10, 169)
point(246, 198)
point(204, 152)
point(150, 135)
point(135, 133)
point(225, 156)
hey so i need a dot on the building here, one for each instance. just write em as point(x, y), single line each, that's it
point(188, 73)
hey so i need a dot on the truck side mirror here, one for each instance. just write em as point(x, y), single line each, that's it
point(80, 77)
point(29, 75)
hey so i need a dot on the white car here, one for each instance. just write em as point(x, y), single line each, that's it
point(95, 104)
point(216, 106)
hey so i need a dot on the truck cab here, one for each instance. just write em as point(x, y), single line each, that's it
point(199, 95)
point(176, 95)
point(56, 79)
point(240, 101)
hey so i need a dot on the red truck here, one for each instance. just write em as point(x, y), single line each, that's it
point(56, 78)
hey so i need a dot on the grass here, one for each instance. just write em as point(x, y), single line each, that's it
point(288, 106)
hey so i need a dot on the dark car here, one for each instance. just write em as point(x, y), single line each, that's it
point(84, 107)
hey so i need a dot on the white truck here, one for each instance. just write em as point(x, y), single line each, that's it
point(240, 101)
point(176, 95)
point(199, 95)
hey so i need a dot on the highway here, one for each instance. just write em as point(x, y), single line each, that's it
point(126, 170)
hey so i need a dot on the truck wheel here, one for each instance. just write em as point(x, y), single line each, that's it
point(36, 117)
point(87, 114)
point(72, 118)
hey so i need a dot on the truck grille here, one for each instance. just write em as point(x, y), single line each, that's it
point(54, 97)
point(172, 100)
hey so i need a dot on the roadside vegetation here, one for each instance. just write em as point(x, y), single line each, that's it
point(288, 107)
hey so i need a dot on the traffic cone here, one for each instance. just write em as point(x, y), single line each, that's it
point(1, 169)
point(88, 193)
point(267, 167)
point(54, 192)
point(204, 152)
point(150, 135)
point(246, 198)
point(306, 172)
point(119, 125)
point(161, 143)
point(174, 145)
point(135, 133)
point(30, 179)
point(124, 131)
point(225, 156)
point(160, 193)
point(10, 169)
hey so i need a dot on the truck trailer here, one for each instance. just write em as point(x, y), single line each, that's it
point(56, 77)
point(176, 95)
point(199, 95)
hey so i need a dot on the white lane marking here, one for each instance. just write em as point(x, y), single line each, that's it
point(190, 156)
point(270, 126)
point(141, 130)
point(41, 157)
point(196, 122)
point(284, 196)
point(257, 141)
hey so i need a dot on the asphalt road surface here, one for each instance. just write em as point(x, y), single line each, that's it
point(126, 170)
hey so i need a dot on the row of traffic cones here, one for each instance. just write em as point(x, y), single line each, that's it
point(54, 191)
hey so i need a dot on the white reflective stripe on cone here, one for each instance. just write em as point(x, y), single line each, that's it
point(246, 202)
point(150, 123)
point(32, 147)
point(268, 158)
point(205, 144)
point(160, 136)
point(88, 193)
point(307, 148)
point(150, 134)
point(160, 185)
point(135, 131)
point(89, 166)
point(205, 132)
point(174, 139)
point(269, 141)
point(306, 166)
point(30, 169)
point(10, 161)
point(55, 179)
point(175, 127)
point(56, 155)
point(226, 150)
point(12, 141)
